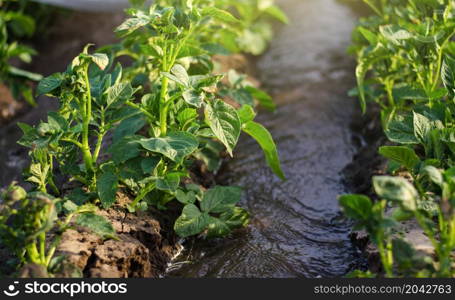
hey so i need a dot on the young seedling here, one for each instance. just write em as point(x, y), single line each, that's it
point(92, 102)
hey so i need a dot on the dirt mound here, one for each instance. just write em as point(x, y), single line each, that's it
point(140, 251)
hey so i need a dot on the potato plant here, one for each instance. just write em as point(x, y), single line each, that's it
point(14, 25)
point(406, 65)
point(182, 105)
point(403, 45)
point(92, 101)
point(255, 31)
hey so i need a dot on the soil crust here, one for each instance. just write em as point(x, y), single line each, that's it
point(143, 248)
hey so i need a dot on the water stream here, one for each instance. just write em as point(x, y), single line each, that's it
point(297, 229)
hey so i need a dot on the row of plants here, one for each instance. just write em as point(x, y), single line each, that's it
point(406, 66)
point(145, 129)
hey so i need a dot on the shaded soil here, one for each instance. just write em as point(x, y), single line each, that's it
point(366, 163)
point(368, 136)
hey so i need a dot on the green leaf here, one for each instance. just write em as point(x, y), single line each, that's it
point(130, 25)
point(107, 185)
point(434, 175)
point(191, 222)
point(180, 72)
point(26, 74)
point(185, 198)
point(357, 207)
point(219, 14)
point(79, 196)
point(220, 198)
point(169, 183)
point(215, 49)
point(396, 189)
point(265, 140)
point(175, 146)
point(448, 74)
point(246, 114)
point(403, 254)
point(400, 154)
point(241, 96)
point(395, 33)
point(128, 127)
point(100, 59)
point(97, 224)
point(119, 93)
point(422, 127)
point(409, 92)
point(49, 84)
point(193, 97)
point(69, 206)
point(369, 35)
point(217, 228)
point(187, 115)
point(366, 61)
point(264, 99)
point(148, 164)
point(224, 122)
point(401, 130)
point(275, 12)
point(57, 122)
point(235, 217)
point(125, 149)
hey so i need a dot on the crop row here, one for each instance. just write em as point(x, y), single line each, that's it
point(142, 128)
point(406, 66)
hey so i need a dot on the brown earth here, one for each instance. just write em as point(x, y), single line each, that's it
point(142, 249)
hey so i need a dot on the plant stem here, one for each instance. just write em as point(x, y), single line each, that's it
point(389, 88)
point(42, 247)
point(150, 187)
point(33, 253)
point(86, 152)
point(385, 257)
point(163, 105)
point(99, 142)
point(144, 111)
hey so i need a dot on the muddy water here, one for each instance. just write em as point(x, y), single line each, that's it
point(297, 229)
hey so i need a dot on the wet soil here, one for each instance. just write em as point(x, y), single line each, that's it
point(297, 229)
